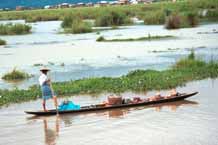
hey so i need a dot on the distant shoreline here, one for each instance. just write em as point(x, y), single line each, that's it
point(153, 13)
point(40, 4)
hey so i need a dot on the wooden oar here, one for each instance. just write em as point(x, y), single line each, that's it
point(52, 91)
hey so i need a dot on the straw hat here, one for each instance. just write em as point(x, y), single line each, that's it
point(44, 69)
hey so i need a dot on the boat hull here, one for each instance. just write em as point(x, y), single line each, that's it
point(91, 109)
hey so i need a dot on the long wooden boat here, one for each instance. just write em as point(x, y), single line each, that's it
point(97, 107)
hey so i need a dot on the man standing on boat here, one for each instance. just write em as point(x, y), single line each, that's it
point(46, 87)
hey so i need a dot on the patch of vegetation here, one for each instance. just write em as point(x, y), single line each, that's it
point(192, 19)
point(154, 17)
point(185, 70)
point(68, 21)
point(212, 15)
point(190, 61)
point(14, 29)
point(75, 25)
point(191, 56)
point(155, 13)
point(100, 39)
point(112, 18)
point(41, 17)
point(38, 64)
point(2, 42)
point(175, 20)
point(148, 38)
point(79, 27)
point(15, 75)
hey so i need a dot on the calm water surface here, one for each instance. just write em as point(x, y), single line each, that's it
point(190, 122)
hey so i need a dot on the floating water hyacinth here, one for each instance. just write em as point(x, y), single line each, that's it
point(16, 75)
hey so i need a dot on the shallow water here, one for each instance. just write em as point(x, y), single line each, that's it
point(193, 121)
point(84, 57)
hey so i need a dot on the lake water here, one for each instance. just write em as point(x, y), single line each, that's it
point(189, 122)
point(193, 121)
point(84, 57)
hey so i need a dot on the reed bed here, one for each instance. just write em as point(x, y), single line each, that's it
point(14, 29)
point(3, 42)
point(15, 75)
point(75, 25)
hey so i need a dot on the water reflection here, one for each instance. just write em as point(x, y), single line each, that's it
point(173, 106)
point(118, 113)
point(67, 119)
point(51, 124)
point(51, 134)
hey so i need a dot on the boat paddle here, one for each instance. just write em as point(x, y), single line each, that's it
point(55, 101)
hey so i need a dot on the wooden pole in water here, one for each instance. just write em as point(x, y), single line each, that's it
point(55, 101)
point(53, 95)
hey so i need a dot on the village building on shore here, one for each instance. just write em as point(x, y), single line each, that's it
point(102, 3)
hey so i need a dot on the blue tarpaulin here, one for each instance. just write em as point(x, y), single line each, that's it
point(69, 105)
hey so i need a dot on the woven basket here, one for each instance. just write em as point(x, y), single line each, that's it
point(114, 100)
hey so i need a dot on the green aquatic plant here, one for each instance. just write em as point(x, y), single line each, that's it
point(68, 21)
point(75, 25)
point(101, 38)
point(147, 38)
point(2, 42)
point(14, 29)
point(190, 62)
point(212, 14)
point(112, 18)
point(182, 20)
point(154, 17)
point(15, 75)
point(173, 21)
point(81, 27)
point(191, 56)
point(192, 19)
